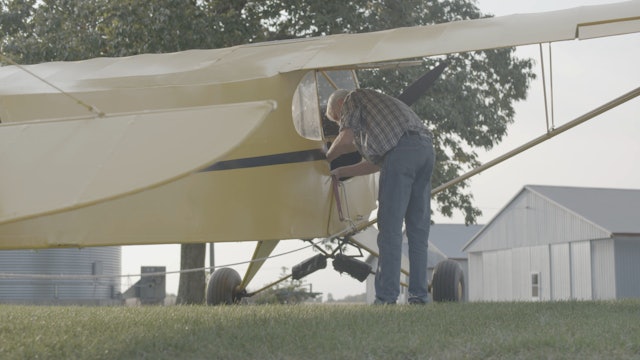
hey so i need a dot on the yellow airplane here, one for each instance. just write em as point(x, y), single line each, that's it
point(224, 144)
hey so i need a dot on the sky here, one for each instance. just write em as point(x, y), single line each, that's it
point(603, 152)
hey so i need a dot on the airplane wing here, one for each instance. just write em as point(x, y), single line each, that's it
point(469, 35)
point(72, 167)
point(53, 166)
point(260, 60)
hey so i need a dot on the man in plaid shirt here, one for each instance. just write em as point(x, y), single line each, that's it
point(392, 139)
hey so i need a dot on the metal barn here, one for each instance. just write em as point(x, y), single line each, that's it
point(559, 243)
point(61, 276)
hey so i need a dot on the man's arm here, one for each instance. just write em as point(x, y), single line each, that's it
point(342, 144)
point(362, 168)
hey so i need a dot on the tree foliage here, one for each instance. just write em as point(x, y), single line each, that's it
point(51, 30)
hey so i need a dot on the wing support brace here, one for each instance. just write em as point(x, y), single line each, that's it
point(551, 133)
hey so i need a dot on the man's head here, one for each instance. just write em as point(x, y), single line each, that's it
point(334, 104)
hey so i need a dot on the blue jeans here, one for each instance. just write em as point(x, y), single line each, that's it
point(404, 195)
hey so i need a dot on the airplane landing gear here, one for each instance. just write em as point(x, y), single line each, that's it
point(448, 282)
point(224, 287)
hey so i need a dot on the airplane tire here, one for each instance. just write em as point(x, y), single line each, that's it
point(448, 282)
point(222, 288)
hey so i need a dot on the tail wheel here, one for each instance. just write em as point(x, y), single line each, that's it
point(448, 282)
point(224, 287)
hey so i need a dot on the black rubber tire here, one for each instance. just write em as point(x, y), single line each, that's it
point(448, 282)
point(223, 287)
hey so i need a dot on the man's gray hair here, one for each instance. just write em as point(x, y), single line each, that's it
point(337, 96)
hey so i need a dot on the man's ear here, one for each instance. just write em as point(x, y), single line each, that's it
point(340, 104)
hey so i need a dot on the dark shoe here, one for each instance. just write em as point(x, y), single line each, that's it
point(380, 302)
point(416, 301)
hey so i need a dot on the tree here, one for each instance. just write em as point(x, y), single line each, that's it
point(469, 108)
point(52, 30)
point(191, 288)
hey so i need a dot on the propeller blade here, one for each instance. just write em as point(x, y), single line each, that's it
point(419, 87)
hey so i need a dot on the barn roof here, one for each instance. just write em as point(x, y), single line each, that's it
point(450, 238)
point(616, 210)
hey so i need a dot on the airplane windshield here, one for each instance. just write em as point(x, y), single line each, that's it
point(310, 102)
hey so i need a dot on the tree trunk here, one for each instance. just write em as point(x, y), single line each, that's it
point(192, 284)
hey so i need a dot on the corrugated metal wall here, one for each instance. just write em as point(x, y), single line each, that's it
point(490, 275)
point(603, 269)
point(581, 270)
point(476, 276)
point(521, 267)
point(505, 275)
point(541, 264)
point(504, 278)
point(560, 272)
point(87, 261)
point(627, 255)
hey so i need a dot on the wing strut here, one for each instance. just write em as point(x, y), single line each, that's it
point(260, 255)
point(551, 133)
point(91, 108)
point(544, 88)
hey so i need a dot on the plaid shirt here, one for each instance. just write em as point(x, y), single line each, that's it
point(378, 122)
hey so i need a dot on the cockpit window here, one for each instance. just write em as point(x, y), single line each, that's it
point(329, 81)
point(305, 108)
point(310, 102)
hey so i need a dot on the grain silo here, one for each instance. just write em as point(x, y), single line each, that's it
point(88, 276)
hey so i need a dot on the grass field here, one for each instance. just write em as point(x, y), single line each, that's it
point(580, 330)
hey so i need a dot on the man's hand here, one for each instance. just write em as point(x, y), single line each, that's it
point(362, 168)
point(341, 145)
point(324, 150)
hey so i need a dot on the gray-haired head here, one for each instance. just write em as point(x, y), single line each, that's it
point(334, 104)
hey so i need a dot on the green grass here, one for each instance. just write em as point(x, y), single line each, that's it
point(581, 330)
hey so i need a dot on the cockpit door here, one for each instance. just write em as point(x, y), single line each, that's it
point(357, 195)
